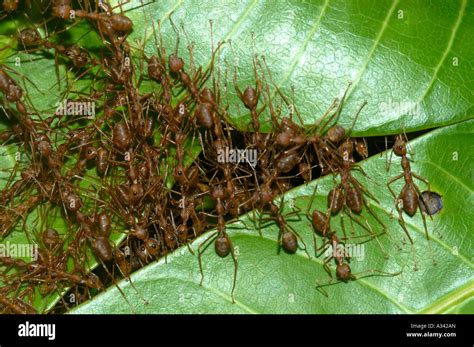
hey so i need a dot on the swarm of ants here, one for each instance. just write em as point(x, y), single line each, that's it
point(130, 168)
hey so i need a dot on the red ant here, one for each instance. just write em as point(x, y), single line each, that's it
point(222, 243)
point(410, 197)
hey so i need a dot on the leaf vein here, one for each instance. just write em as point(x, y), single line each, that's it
point(446, 51)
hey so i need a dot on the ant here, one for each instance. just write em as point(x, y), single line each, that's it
point(338, 253)
point(222, 243)
point(410, 197)
point(287, 235)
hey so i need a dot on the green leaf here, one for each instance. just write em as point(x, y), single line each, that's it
point(411, 60)
point(271, 283)
point(414, 73)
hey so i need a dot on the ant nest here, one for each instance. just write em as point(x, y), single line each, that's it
point(117, 164)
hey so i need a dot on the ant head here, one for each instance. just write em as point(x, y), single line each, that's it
point(90, 152)
point(346, 148)
point(182, 232)
point(284, 138)
point(179, 172)
point(399, 147)
point(152, 246)
point(343, 272)
point(136, 192)
point(217, 192)
point(155, 68)
point(51, 238)
point(142, 253)
point(361, 148)
point(10, 6)
point(176, 64)
point(93, 281)
point(62, 9)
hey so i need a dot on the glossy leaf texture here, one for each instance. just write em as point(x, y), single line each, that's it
point(271, 283)
point(410, 60)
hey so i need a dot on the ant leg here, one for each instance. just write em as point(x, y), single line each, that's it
point(433, 259)
point(279, 240)
point(401, 221)
point(374, 235)
point(343, 227)
point(375, 272)
point(363, 189)
point(392, 191)
point(425, 225)
point(326, 266)
point(319, 288)
point(424, 180)
point(234, 258)
point(201, 248)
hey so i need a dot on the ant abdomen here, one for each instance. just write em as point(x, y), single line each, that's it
point(204, 115)
point(222, 245)
point(102, 248)
point(44, 147)
point(121, 137)
point(354, 199)
point(409, 196)
point(176, 64)
point(102, 161)
point(287, 161)
point(121, 23)
point(320, 223)
point(250, 98)
point(335, 199)
point(105, 224)
point(336, 133)
point(135, 192)
point(289, 242)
